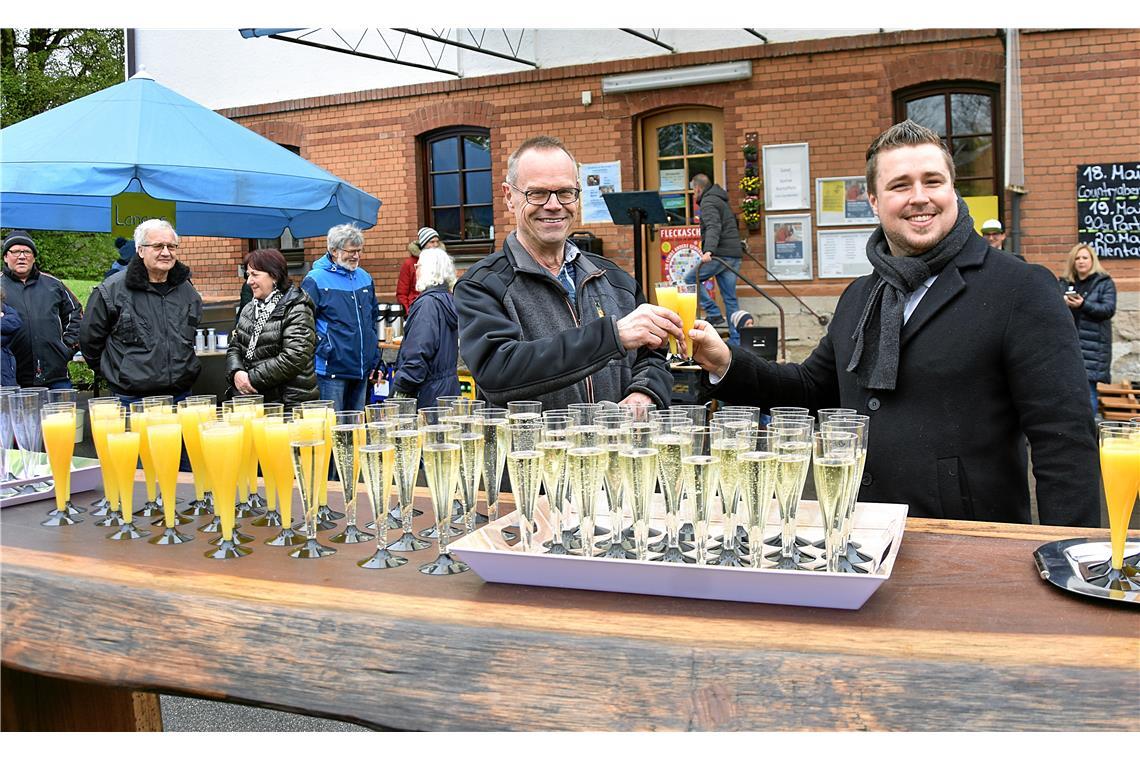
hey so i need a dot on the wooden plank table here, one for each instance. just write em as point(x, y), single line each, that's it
point(964, 635)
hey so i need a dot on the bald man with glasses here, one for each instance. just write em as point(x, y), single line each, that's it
point(543, 320)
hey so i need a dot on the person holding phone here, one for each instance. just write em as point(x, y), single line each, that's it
point(1090, 294)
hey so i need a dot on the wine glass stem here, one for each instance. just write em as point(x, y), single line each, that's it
point(787, 531)
point(832, 542)
point(406, 514)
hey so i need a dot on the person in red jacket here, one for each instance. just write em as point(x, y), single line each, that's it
point(406, 284)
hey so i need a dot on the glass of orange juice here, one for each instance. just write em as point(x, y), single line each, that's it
point(190, 415)
point(107, 416)
point(687, 310)
point(222, 445)
point(667, 299)
point(139, 416)
point(278, 464)
point(1120, 474)
point(57, 421)
point(271, 518)
point(123, 448)
point(164, 439)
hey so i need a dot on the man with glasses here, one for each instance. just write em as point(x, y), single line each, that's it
point(138, 334)
point(541, 319)
point(348, 351)
point(50, 313)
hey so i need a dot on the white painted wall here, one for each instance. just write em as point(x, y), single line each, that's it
point(220, 69)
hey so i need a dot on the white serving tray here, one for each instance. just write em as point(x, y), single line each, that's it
point(86, 475)
point(878, 528)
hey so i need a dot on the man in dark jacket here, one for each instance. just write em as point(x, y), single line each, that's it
point(955, 351)
point(720, 238)
point(138, 334)
point(542, 320)
point(50, 311)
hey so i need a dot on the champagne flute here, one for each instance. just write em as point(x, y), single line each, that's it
point(107, 417)
point(469, 435)
point(553, 443)
point(310, 467)
point(272, 517)
point(614, 438)
point(793, 449)
point(279, 437)
point(190, 414)
point(639, 475)
point(698, 414)
point(835, 456)
point(641, 432)
point(377, 458)
point(246, 410)
point(826, 414)
point(726, 446)
point(57, 424)
point(326, 517)
point(207, 405)
point(348, 437)
point(672, 446)
point(6, 438)
point(441, 455)
point(666, 293)
point(850, 554)
point(25, 407)
point(494, 456)
point(237, 417)
point(687, 311)
point(139, 421)
point(164, 439)
point(435, 425)
point(123, 447)
point(408, 443)
point(699, 471)
point(1120, 476)
point(757, 461)
point(521, 411)
point(585, 467)
point(524, 464)
point(222, 447)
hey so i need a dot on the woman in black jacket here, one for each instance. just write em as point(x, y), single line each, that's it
point(426, 365)
point(272, 347)
point(1091, 294)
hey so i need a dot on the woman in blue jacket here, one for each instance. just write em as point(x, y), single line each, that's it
point(1091, 295)
point(429, 354)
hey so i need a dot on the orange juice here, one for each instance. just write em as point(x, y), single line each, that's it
point(123, 448)
point(164, 439)
point(687, 310)
point(59, 440)
point(667, 299)
point(261, 451)
point(140, 416)
point(107, 419)
point(189, 416)
point(1120, 471)
point(243, 417)
point(222, 448)
point(280, 463)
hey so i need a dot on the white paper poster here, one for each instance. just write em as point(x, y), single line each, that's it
point(597, 180)
point(670, 180)
point(843, 253)
point(788, 240)
point(786, 177)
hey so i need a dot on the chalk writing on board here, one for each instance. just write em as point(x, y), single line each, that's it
point(1108, 208)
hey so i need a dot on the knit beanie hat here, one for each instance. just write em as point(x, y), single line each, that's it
point(19, 237)
point(738, 318)
point(425, 235)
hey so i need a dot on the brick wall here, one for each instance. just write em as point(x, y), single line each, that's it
point(1081, 96)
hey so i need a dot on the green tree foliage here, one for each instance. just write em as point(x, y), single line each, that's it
point(39, 70)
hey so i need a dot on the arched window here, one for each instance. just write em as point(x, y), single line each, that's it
point(676, 145)
point(965, 114)
point(458, 188)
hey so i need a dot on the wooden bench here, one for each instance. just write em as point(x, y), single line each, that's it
point(1118, 401)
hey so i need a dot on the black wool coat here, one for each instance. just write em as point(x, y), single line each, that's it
point(282, 365)
point(988, 358)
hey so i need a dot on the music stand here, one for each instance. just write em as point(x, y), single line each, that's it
point(636, 209)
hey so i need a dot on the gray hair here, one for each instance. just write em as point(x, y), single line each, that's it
point(542, 142)
point(344, 234)
point(152, 224)
point(903, 134)
point(434, 268)
point(701, 181)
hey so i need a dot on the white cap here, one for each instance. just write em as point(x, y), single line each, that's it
point(991, 225)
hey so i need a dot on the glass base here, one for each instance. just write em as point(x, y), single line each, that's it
point(72, 509)
point(1125, 579)
point(228, 550)
point(112, 520)
point(847, 566)
point(127, 532)
point(312, 549)
point(271, 519)
point(553, 548)
point(149, 509)
point(325, 514)
point(408, 543)
point(100, 505)
point(243, 510)
point(178, 520)
point(674, 554)
point(57, 518)
point(661, 545)
point(287, 537)
point(627, 534)
point(352, 535)
point(432, 533)
point(214, 526)
point(196, 508)
point(239, 538)
point(776, 540)
point(382, 559)
point(687, 534)
point(617, 550)
point(728, 559)
point(170, 537)
point(444, 564)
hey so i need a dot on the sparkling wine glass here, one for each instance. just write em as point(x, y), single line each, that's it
point(700, 468)
point(794, 458)
point(835, 457)
point(826, 414)
point(377, 458)
point(408, 442)
point(123, 449)
point(57, 424)
point(494, 456)
point(441, 455)
point(310, 467)
point(25, 407)
point(726, 448)
point(222, 446)
point(672, 446)
point(614, 438)
point(523, 411)
point(524, 464)
point(435, 425)
point(639, 474)
point(107, 416)
point(757, 462)
point(6, 438)
point(164, 439)
point(1120, 476)
point(469, 435)
point(279, 436)
point(348, 436)
point(326, 517)
point(553, 443)
point(850, 557)
point(585, 468)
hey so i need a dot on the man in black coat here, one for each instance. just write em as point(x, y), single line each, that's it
point(720, 238)
point(956, 351)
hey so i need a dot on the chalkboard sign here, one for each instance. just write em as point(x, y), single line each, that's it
point(1108, 208)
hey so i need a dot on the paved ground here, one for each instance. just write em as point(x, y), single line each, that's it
point(185, 714)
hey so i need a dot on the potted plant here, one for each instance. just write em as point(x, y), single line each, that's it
point(750, 209)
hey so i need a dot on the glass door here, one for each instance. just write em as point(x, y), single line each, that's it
point(677, 145)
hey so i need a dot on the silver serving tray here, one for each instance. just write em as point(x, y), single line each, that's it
point(1066, 565)
point(878, 528)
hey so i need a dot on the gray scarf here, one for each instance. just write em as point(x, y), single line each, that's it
point(261, 312)
point(875, 359)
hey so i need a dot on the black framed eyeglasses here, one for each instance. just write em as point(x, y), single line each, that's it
point(565, 195)
point(172, 247)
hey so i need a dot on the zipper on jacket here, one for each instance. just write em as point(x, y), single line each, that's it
point(587, 278)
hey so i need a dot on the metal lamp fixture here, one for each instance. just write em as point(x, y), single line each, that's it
point(684, 77)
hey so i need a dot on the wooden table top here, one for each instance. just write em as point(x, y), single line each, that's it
point(964, 635)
